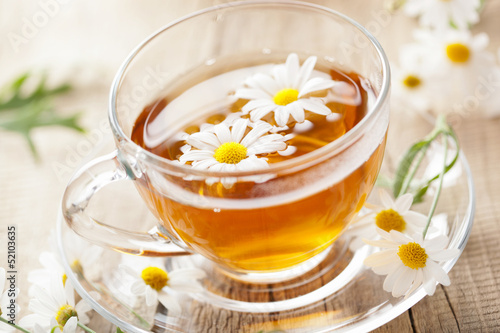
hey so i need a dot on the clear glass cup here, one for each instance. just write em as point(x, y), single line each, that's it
point(289, 222)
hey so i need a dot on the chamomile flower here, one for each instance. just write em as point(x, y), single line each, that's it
point(413, 84)
point(5, 302)
point(81, 254)
point(440, 13)
point(57, 301)
point(285, 92)
point(410, 262)
point(230, 148)
point(392, 215)
point(460, 58)
point(155, 284)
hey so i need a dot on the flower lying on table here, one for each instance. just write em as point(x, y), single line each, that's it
point(156, 284)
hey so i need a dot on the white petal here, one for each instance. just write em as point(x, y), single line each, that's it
point(246, 93)
point(138, 287)
point(292, 68)
point(400, 237)
point(404, 282)
point(314, 105)
point(260, 129)
point(296, 111)
point(187, 273)
point(279, 74)
point(437, 272)
point(381, 258)
point(70, 326)
point(238, 130)
point(187, 286)
point(382, 243)
point(256, 104)
point(316, 84)
point(151, 296)
point(436, 243)
point(385, 269)
point(196, 155)
point(281, 116)
point(305, 72)
point(443, 255)
point(386, 199)
point(203, 140)
point(260, 112)
point(429, 282)
point(223, 133)
point(70, 293)
point(204, 164)
point(172, 305)
point(415, 218)
point(391, 279)
point(403, 203)
point(419, 277)
point(266, 83)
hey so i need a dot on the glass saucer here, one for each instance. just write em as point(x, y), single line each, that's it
point(339, 295)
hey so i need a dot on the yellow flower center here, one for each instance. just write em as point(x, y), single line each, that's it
point(230, 153)
point(458, 53)
point(65, 313)
point(412, 255)
point(155, 277)
point(389, 220)
point(64, 279)
point(77, 267)
point(412, 81)
point(286, 96)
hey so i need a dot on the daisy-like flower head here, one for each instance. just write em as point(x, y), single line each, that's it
point(414, 83)
point(392, 215)
point(285, 91)
point(56, 304)
point(156, 284)
point(410, 262)
point(459, 61)
point(439, 13)
point(230, 148)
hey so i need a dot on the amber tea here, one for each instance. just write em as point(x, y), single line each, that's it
point(233, 118)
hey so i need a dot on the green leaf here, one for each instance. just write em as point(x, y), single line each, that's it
point(22, 111)
point(119, 330)
point(404, 166)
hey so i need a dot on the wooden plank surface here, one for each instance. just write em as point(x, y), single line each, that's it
point(30, 191)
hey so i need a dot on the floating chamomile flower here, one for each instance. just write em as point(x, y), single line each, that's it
point(285, 92)
point(156, 284)
point(410, 262)
point(5, 302)
point(229, 148)
point(440, 14)
point(57, 301)
point(392, 215)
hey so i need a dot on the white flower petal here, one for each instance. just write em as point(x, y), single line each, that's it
point(305, 72)
point(258, 113)
point(443, 255)
point(292, 69)
point(245, 93)
point(260, 129)
point(186, 286)
point(138, 287)
point(238, 130)
point(196, 155)
point(419, 278)
point(257, 104)
point(172, 305)
point(70, 326)
point(403, 203)
point(296, 111)
point(151, 296)
point(391, 279)
point(266, 83)
point(223, 133)
point(386, 199)
point(314, 105)
point(437, 272)
point(316, 84)
point(404, 282)
point(381, 258)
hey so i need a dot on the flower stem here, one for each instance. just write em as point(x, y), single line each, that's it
point(440, 186)
point(85, 328)
point(408, 180)
point(19, 328)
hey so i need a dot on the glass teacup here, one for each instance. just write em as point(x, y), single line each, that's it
point(296, 209)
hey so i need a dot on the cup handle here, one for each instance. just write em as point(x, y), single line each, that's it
point(88, 181)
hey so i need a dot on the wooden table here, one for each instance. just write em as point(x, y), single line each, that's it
point(30, 191)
